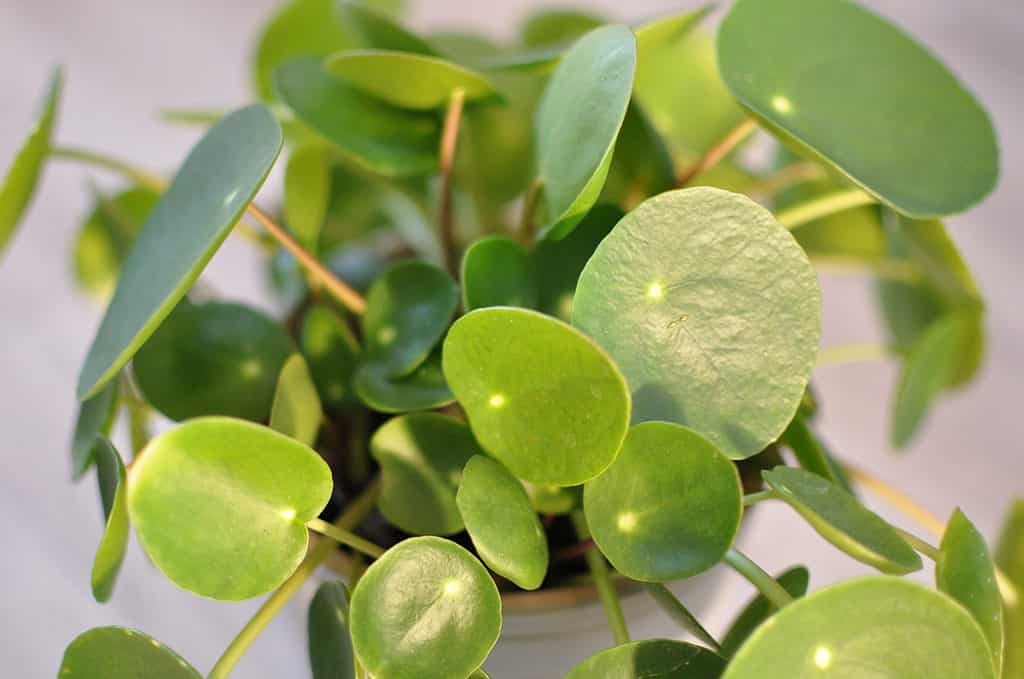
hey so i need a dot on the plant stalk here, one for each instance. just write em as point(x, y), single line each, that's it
point(890, 269)
point(719, 151)
point(446, 161)
point(527, 226)
point(140, 177)
point(829, 204)
point(347, 538)
point(760, 496)
point(785, 178)
point(853, 353)
point(674, 608)
point(602, 580)
point(765, 584)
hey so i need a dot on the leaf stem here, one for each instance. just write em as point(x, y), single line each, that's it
point(787, 177)
point(719, 151)
point(923, 546)
point(345, 537)
point(826, 205)
point(853, 353)
point(446, 160)
point(354, 513)
point(602, 580)
point(140, 177)
point(764, 583)
point(891, 269)
point(674, 608)
point(760, 496)
point(527, 226)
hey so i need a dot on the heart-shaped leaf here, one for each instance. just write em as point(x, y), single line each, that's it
point(95, 417)
point(888, 627)
point(651, 659)
point(380, 31)
point(120, 653)
point(759, 609)
point(839, 518)
point(496, 272)
point(811, 453)
point(415, 81)
point(195, 215)
point(307, 192)
point(711, 310)
point(332, 353)
point(1010, 558)
point(213, 359)
point(578, 121)
point(965, 572)
point(508, 366)
point(668, 507)
point(425, 608)
point(330, 644)
point(110, 475)
point(220, 505)
point(923, 146)
point(423, 389)
point(374, 135)
point(503, 525)
point(19, 183)
point(296, 411)
point(421, 458)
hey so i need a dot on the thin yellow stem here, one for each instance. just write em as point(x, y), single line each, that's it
point(785, 178)
point(853, 353)
point(446, 161)
point(891, 269)
point(829, 204)
point(719, 151)
point(140, 177)
point(344, 537)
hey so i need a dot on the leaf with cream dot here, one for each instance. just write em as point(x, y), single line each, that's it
point(330, 645)
point(121, 653)
point(651, 659)
point(507, 367)
point(296, 411)
point(332, 353)
point(423, 389)
point(110, 475)
point(669, 506)
point(95, 417)
point(759, 609)
point(496, 271)
point(220, 505)
point(426, 608)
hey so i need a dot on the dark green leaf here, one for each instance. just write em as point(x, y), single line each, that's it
point(296, 411)
point(496, 272)
point(332, 352)
point(330, 646)
point(111, 477)
point(95, 417)
point(425, 388)
point(651, 659)
point(120, 653)
point(759, 609)
point(641, 164)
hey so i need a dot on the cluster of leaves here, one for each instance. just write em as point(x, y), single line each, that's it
point(611, 357)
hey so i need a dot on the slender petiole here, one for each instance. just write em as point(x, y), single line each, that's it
point(345, 537)
point(446, 161)
point(853, 353)
point(140, 177)
point(602, 580)
point(764, 583)
point(674, 608)
point(527, 225)
point(760, 496)
point(719, 151)
point(829, 204)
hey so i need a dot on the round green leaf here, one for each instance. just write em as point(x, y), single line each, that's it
point(712, 312)
point(407, 80)
point(408, 308)
point(540, 396)
point(651, 659)
point(496, 272)
point(296, 411)
point(502, 523)
point(194, 216)
point(1010, 558)
point(421, 458)
point(426, 608)
point(759, 609)
point(111, 475)
point(213, 359)
point(423, 389)
point(330, 645)
point(858, 92)
point(578, 121)
point(332, 352)
point(882, 627)
point(220, 505)
point(19, 184)
point(380, 31)
point(307, 192)
point(839, 518)
point(965, 572)
point(370, 133)
point(120, 653)
point(668, 507)
point(95, 417)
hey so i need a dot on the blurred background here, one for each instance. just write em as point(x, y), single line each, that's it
point(127, 60)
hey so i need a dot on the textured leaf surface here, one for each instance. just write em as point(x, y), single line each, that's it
point(120, 653)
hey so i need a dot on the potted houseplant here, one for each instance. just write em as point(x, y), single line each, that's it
point(546, 337)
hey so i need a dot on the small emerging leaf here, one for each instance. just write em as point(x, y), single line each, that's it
point(296, 411)
point(111, 477)
point(330, 645)
point(307, 192)
point(1010, 558)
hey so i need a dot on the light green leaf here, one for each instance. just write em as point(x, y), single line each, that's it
point(95, 417)
point(1010, 558)
point(669, 506)
point(548, 499)
point(425, 608)
point(557, 26)
point(332, 352)
point(330, 645)
point(120, 653)
point(712, 312)
point(882, 627)
point(208, 195)
point(759, 609)
point(839, 518)
point(296, 411)
point(651, 659)
point(307, 192)
point(380, 31)
point(220, 505)
point(423, 389)
point(496, 271)
point(654, 36)
point(501, 522)
point(923, 146)
point(110, 475)
point(508, 366)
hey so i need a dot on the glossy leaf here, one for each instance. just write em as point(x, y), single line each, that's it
point(307, 190)
point(121, 653)
point(712, 312)
point(759, 609)
point(811, 453)
point(380, 31)
point(421, 458)
point(423, 389)
point(19, 184)
point(839, 518)
point(95, 417)
point(508, 366)
point(374, 135)
point(503, 525)
point(965, 572)
point(415, 81)
point(213, 359)
point(425, 608)
point(1010, 558)
point(888, 627)
point(220, 505)
point(330, 645)
point(332, 352)
point(858, 92)
point(496, 272)
point(296, 411)
point(578, 121)
point(408, 309)
point(194, 216)
point(669, 506)
point(111, 477)
point(651, 659)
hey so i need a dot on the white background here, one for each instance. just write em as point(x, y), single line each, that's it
point(125, 60)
